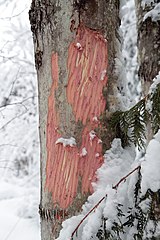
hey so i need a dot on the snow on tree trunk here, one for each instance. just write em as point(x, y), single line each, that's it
point(75, 46)
point(148, 43)
point(148, 24)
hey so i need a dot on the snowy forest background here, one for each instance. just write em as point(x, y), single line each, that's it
point(19, 141)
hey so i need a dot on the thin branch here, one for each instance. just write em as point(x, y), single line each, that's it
point(125, 177)
point(12, 86)
point(12, 145)
point(92, 209)
point(30, 179)
point(14, 40)
point(12, 119)
point(16, 15)
point(12, 229)
point(13, 58)
point(13, 83)
point(17, 103)
point(7, 168)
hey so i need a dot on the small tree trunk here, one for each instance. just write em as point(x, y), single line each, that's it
point(149, 49)
point(75, 46)
point(149, 67)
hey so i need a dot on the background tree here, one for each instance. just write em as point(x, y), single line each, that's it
point(19, 143)
point(148, 25)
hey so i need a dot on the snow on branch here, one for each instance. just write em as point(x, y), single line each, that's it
point(154, 13)
point(146, 3)
point(123, 179)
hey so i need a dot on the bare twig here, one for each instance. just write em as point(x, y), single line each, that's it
point(15, 59)
point(125, 177)
point(16, 15)
point(92, 209)
point(13, 83)
point(13, 228)
point(12, 145)
point(3, 107)
point(12, 119)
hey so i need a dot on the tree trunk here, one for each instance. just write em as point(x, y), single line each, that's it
point(148, 47)
point(149, 67)
point(75, 47)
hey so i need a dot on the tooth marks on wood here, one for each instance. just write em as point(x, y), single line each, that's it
point(52, 214)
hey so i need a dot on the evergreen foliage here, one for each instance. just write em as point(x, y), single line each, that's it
point(155, 111)
point(141, 219)
point(130, 125)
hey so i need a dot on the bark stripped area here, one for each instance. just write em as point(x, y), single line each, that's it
point(87, 64)
point(69, 171)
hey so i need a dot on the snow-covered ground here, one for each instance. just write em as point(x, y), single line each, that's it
point(19, 217)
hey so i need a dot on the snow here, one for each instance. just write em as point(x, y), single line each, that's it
point(92, 135)
point(19, 151)
point(156, 81)
point(120, 161)
point(95, 119)
point(78, 45)
point(84, 152)
point(146, 2)
point(99, 141)
point(97, 155)
point(66, 141)
point(154, 13)
point(152, 88)
point(19, 148)
point(128, 33)
point(116, 164)
point(151, 166)
point(103, 74)
point(17, 212)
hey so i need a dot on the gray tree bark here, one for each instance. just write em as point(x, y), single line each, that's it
point(149, 49)
point(149, 67)
point(148, 45)
point(60, 28)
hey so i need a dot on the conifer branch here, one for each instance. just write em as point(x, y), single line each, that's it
point(130, 125)
point(97, 204)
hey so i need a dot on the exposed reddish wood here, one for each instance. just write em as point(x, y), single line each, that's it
point(85, 68)
point(87, 62)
